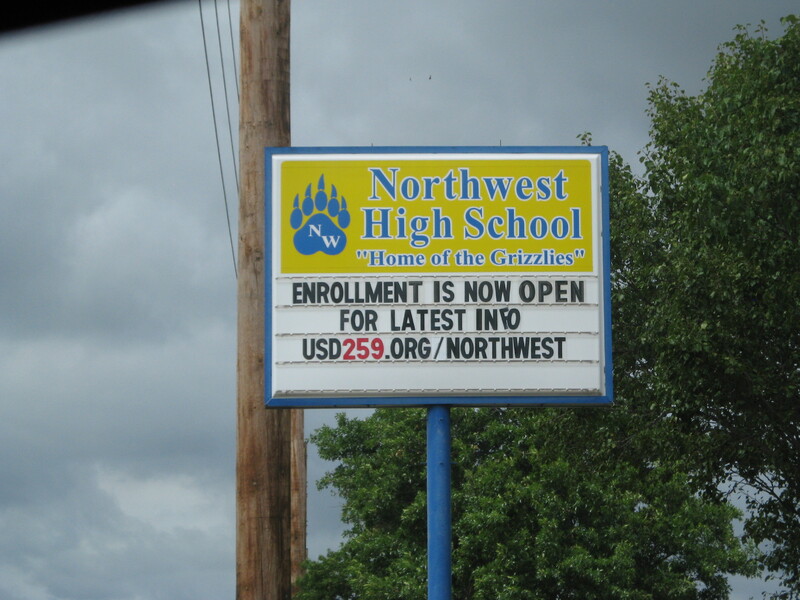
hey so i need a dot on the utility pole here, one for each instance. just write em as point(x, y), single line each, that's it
point(299, 496)
point(263, 453)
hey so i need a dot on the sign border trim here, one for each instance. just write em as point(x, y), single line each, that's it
point(423, 401)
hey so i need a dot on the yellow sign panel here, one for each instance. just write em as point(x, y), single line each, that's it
point(455, 214)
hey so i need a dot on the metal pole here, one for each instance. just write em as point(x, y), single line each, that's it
point(439, 515)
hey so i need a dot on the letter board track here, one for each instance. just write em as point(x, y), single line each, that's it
point(418, 276)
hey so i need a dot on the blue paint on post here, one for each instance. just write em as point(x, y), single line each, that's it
point(439, 511)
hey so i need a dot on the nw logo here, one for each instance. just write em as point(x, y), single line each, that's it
point(330, 241)
point(320, 221)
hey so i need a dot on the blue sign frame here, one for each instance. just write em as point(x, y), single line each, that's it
point(440, 400)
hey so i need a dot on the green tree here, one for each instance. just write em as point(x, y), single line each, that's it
point(547, 504)
point(603, 503)
point(720, 344)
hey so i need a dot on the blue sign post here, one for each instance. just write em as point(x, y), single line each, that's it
point(439, 504)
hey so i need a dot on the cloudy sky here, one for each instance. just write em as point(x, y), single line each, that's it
point(117, 290)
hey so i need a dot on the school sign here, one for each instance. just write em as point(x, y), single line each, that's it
point(437, 276)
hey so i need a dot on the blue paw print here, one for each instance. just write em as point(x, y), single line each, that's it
point(314, 221)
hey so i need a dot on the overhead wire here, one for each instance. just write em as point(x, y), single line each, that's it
point(216, 137)
point(227, 103)
point(233, 52)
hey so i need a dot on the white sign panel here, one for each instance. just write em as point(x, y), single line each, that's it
point(437, 276)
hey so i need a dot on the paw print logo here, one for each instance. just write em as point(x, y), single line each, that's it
point(320, 221)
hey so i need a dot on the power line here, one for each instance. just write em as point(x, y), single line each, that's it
point(227, 104)
point(216, 137)
point(233, 52)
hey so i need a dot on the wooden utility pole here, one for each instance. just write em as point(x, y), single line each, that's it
point(299, 496)
point(263, 454)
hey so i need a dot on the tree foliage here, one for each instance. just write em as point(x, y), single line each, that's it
point(721, 342)
point(546, 504)
point(630, 502)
